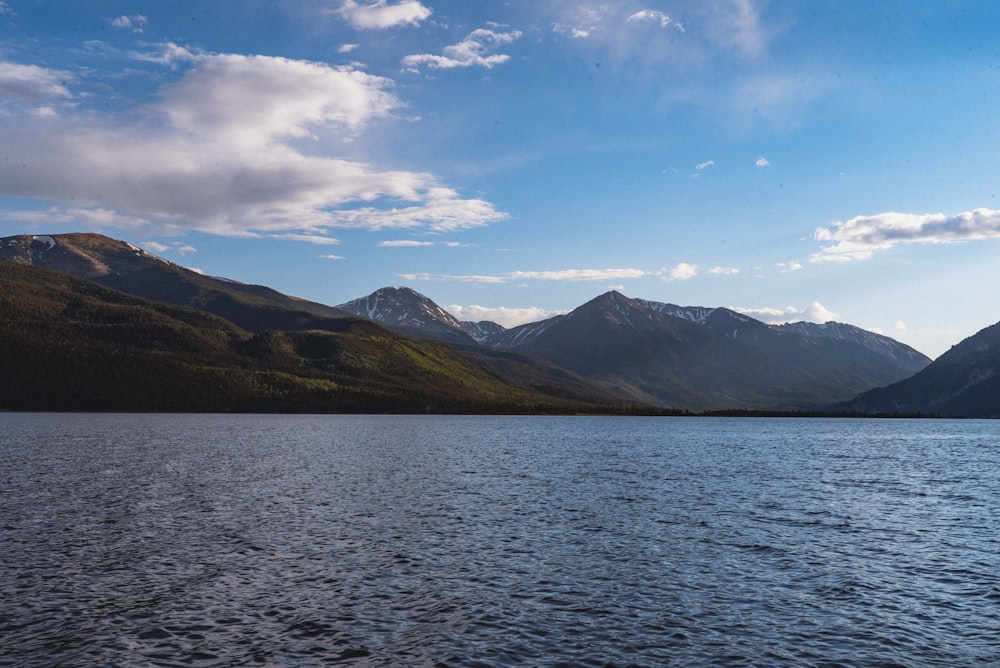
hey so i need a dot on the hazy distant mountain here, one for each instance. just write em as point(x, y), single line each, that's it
point(963, 382)
point(709, 358)
point(120, 265)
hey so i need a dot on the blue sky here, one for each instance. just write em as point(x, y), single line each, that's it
point(796, 160)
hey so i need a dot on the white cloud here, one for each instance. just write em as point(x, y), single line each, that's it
point(32, 84)
point(681, 272)
point(167, 53)
point(222, 156)
point(405, 243)
point(705, 165)
point(379, 14)
point(560, 275)
point(5, 8)
point(711, 30)
point(473, 51)
point(308, 238)
point(653, 16)
point(332, 257)
point(762, 161)
point(900, 325)
point(789, 266)
point(815, 312)
point(860, 237)
point(134, 23)
point(459, 278)
point(575, 32)
point(723, 271)
point(197, 270)
point(186, 250)
point(347, 48)
point(155, 247)
point(503, 315)
point(250, 100)
point(578, 275)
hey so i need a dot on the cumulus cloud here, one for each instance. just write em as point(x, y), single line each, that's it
point(221, 153)
point(249, 100)
point(379, 15)
point(474, 51)
point(155, 246)
point(786, 267)
point(681, 272)
point(815, 312)
point(503, 315)
point(762, 161)
point(860, 237)
point(705, 165)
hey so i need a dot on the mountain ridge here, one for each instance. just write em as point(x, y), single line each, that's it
point(630, 349)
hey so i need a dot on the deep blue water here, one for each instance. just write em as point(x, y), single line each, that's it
point(177, 540)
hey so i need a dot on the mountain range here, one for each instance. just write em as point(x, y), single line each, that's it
point(611, 353)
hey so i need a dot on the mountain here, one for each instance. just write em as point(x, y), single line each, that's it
point(73, 344)
point(701, 358)
point(407, 310)
point(963, 382)
point(122, 266)
point(412, 314)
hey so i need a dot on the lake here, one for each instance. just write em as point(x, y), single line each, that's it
point(209, 540)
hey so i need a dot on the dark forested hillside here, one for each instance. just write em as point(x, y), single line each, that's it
point(71, 344)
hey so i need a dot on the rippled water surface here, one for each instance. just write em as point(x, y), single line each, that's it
point(164, 540)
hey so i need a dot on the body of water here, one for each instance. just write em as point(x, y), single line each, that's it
point(180, 540)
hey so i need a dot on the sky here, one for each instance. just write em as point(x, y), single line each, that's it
point(793, 159)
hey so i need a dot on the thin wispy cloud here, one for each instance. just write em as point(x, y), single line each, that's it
point(405, 243)
point(380, 15)
point(655, 17)
point(476, 50)
point(724, 271)
point(308, 238)
point(861, 237)
point(815, 312)
point(701, 166)
point(502, 315)
point(515, 276)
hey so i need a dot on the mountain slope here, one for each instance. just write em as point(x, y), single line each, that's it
point(72, 344)
point(409, 311)
point(700, 358)
point(963, 382)
point(122, 266)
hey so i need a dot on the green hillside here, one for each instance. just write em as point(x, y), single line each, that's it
point(71, 344)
